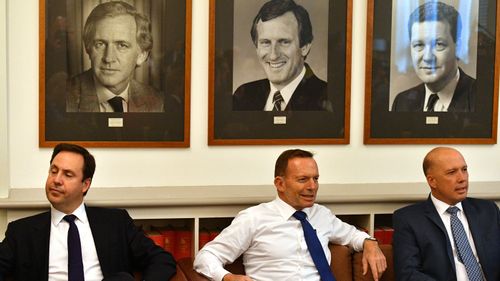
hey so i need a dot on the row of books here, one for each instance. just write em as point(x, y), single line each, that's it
point(179, 241)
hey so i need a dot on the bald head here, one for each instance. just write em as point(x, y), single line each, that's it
point(434, 155)
point(447, 174)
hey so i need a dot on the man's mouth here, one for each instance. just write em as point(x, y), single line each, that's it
point(276, 65)
point(109, 70)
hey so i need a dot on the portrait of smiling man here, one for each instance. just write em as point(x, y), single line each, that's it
point(435, 32)
point(117, 40)
point(282, 35)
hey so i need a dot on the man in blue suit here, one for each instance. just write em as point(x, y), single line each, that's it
point(425, 234)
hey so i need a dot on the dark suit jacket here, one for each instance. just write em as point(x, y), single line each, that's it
point(463, 99)
point(82, 97)
point(120, 245)
point(310, 94)
point(422, 249)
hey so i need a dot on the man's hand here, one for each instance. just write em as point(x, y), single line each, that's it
point(235, 277)
point(373, 256)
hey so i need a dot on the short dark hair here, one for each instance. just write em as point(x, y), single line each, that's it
point(113, 9)
point(285, 156)
point(276, 8)
point(88, 159)
point(437, 11)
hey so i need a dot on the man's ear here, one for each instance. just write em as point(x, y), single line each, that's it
point(304, 50)
point(86, 185)
point(141, 58)
point(279, 183)
point(431, 181)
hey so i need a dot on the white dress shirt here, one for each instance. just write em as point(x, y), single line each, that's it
point(272, 243)
point(286, 92)
point(445, 95)
point(441, 208)
point(58, 246)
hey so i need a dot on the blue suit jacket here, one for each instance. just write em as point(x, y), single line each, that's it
point(121, 247)
point(422, 249)
point(310, 95)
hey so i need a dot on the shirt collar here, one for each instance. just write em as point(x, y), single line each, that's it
point(287, 211)
point(288, 90)
point(104, 94)
point(445, 95)
point(441, 206)
point(57, 216)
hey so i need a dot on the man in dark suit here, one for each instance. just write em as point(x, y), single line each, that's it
point(111, 246)
point(117, 40)
point(282, 34)
point(449, 236)
point(434, 30)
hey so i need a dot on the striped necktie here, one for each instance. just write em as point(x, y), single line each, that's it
point(464, 250)
point(277, 100)
point(432, 102)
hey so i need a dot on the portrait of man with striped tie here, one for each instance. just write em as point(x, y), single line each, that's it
point(282, 34)
point(435, 35)
point(449, 236)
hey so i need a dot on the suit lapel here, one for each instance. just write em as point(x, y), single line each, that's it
point(100, 235)
point(40, 242)
point(432, 214)
point(474, 226)
point(88, 96)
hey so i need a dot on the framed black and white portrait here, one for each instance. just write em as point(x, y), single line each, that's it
point(432, 71)
point(279, 72)
point(115, 73)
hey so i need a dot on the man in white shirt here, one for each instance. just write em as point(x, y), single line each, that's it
point(434, 30)
point(111, 246)
point(272, 240)
point(449, 236)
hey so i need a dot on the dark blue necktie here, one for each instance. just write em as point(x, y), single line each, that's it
point(464, 250)
point(315, 249)
point(75, 263)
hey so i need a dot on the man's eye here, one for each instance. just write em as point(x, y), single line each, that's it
point(285, 42)
point(441, 46)
point(417, 46)
point(123, 46)
point(98, 45)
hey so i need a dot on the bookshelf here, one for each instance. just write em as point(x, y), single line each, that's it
point(199, 208)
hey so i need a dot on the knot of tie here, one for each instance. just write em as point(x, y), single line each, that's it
point(70, 218)
point(453, 210)
point(116, 103)
point(300, 215)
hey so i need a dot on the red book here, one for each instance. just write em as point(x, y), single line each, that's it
point(388, 233)
point(183, 247)
point(156, 237)
point(169, 239)
point(204, 237)
point(378, 233)
point(214, 234)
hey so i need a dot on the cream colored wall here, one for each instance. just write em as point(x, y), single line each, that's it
point(25, 165)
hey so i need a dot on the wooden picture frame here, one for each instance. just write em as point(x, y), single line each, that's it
point(390, 72)
point(234, 62)
point(159, 90)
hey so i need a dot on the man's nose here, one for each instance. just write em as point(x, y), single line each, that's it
point(428, 53)
point(109, 54)
point(275, 51)
point(58, 178)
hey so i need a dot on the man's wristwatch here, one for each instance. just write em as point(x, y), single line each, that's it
point(371, 239)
